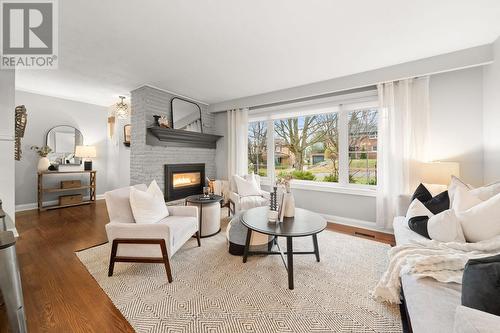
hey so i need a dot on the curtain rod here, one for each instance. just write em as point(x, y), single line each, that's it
point(309, 98)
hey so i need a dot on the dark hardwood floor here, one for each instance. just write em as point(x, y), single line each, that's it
point(59, 294)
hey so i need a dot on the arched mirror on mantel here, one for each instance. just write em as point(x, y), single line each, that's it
point(63, 140)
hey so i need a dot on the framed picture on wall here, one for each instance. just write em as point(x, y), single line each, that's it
point(127, 131)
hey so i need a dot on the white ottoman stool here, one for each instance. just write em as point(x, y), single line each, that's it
point(209, 210)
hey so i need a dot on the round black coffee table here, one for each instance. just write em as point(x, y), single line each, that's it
point(200, 200)
point(304, 223)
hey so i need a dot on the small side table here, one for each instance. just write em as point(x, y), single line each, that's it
point(209, 215)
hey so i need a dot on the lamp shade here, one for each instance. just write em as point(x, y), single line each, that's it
point(439, 172)
point(85, 151)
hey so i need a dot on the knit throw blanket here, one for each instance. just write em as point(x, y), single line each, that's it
point(443, 262)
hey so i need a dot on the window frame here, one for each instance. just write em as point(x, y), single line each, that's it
point(343, 110)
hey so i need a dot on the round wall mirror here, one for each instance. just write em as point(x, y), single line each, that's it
point(63, 141)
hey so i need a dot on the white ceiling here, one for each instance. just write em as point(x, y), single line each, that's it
point(224, 49)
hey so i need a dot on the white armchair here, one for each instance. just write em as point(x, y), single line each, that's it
point(148, 243)
point(243, 203)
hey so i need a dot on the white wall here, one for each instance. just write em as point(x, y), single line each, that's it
point(438, 64)
point(492, 118)
point(456, 101)
point(118, 157)
point(7, 111)
point(45, 112)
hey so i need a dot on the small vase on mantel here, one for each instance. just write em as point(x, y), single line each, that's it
point(43, 164)
point(289, 203)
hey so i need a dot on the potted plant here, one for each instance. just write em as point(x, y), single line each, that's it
point(43, 162)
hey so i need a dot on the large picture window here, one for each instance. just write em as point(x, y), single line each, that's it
point(328, 147)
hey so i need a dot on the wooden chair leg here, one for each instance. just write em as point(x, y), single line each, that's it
point(112, 258)
point(166, 261)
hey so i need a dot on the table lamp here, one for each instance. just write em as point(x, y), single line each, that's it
point(87, 152)
point(439, 172)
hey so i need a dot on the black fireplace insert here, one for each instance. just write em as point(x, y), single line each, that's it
point(183, 180)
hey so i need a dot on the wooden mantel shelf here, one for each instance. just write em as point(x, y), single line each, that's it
point(180, 138)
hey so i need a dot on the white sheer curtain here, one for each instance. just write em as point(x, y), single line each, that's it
point(403, 134)
point(237, 142)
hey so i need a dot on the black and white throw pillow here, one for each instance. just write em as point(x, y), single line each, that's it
point(423, 206)
point(437, 204)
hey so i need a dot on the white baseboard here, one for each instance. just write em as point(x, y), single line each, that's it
point(356, 223)
point(31, 206)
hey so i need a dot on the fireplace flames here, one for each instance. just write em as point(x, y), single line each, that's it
point(186, 179)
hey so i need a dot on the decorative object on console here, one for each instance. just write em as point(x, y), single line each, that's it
point(121, 109)
point(21, 119)
point(127, 133)
point(87, 152)
point(43, 162)
point(71, 199)
point(67, 184)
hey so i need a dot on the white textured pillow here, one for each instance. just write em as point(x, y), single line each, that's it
point(254, 176)
point(417, 208)
point(464, 199)
point(148, 206)
point(456, 183)
point(487, 191)
point(445, 227)
point(483, 193)
point(247, 187)
point(482, 221)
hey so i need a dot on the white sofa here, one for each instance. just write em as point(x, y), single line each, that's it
point(431, 305)
point(247, 202)
point(133, 242)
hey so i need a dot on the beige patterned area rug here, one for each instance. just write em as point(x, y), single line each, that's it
point(214, 291)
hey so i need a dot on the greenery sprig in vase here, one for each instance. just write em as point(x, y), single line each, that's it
point(43, 162)
point(42, 151)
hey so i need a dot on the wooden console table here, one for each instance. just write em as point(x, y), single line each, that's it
point(91, 186)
